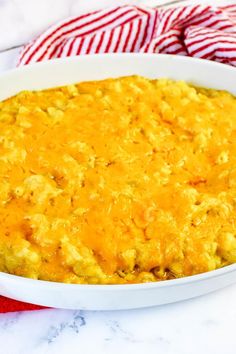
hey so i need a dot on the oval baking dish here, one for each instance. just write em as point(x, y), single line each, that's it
point(61, 72)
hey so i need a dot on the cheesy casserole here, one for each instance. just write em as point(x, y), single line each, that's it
point(125, 180)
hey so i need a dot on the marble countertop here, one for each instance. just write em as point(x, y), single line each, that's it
point(202, 325)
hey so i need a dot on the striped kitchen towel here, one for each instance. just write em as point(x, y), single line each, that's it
point(200, 31)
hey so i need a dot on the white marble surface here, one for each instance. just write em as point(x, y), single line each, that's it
point(203, 325)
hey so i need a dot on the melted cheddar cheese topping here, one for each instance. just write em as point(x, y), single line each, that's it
point(117, 181)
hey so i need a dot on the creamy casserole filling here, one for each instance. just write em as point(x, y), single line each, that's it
point(117, 181)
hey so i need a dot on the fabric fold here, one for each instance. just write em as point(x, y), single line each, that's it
point(200, 31)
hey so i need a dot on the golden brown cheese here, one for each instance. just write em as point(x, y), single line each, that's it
point(117, 181)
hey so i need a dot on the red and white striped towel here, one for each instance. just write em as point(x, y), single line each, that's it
point(200, 31)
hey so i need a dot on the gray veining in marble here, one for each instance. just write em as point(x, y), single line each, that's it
point(202, 325)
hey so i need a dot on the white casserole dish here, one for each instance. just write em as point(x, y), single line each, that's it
point(113, 297)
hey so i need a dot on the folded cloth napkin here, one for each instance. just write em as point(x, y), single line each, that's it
point(200, 31)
